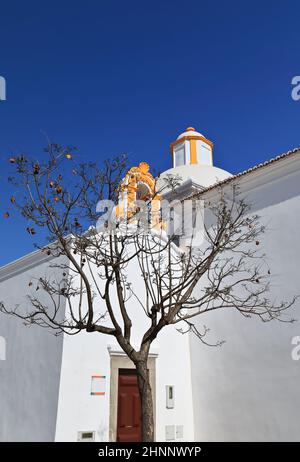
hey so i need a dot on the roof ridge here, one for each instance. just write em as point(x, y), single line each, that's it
point(247, 171)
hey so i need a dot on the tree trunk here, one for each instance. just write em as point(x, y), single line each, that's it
point(146, 401)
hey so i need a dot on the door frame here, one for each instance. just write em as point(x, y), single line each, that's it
point(118, 360)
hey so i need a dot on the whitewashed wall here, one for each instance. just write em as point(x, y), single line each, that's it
point(87, 354)
point(29, 376)
point(248, 389)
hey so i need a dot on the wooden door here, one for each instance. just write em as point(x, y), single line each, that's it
point(129, 407)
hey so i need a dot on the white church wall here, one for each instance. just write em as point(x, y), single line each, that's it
point(248, 389)
point(84, 355)
point(87, 354)
point(29, 375)
point(174, 368)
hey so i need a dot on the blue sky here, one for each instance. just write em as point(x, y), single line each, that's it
point(116, 76)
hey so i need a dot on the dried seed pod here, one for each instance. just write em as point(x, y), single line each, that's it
point(30, 231)
point(36, 169)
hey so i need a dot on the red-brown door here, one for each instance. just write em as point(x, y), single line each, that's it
point(129, 407)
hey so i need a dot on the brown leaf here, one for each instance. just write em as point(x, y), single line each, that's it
point(36, 169)
point(30, 231)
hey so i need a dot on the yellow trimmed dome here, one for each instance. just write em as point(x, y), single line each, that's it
point(190, 131)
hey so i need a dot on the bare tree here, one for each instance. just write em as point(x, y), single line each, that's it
point(171, 285)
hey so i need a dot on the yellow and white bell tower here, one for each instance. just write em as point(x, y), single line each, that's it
point(191, 148)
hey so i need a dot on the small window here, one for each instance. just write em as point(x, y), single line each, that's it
point(179, 156)
point(170, 401)
point(86, 436)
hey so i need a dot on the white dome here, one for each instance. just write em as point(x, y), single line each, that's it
point(203, 175)
point(190, 131)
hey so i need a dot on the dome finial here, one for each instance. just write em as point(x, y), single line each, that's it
point(190, 129)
